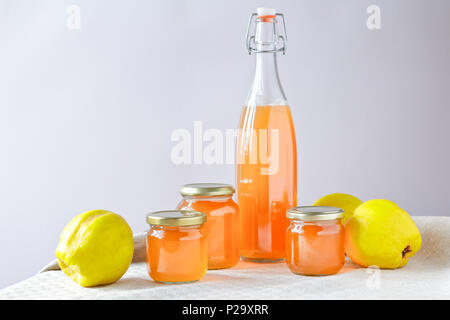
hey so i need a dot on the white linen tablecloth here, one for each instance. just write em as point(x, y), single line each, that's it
point(426, 276)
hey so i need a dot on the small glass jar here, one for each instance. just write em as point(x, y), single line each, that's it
point(315, 240)
point(176, 246)
point(222, 227)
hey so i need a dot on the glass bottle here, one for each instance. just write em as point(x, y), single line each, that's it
point(266, 169)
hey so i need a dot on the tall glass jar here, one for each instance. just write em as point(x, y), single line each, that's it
point(315, 240)
point(215, 200)
point(266, 169)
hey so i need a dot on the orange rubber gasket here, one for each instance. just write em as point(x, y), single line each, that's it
point(267, 18)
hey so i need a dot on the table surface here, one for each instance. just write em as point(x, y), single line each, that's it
point(426, 276)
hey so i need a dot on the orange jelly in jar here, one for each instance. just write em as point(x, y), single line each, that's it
point(176, 246)
point(315, 240)
point(215, 200)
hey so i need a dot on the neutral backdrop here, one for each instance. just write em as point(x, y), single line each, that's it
point(86, 116)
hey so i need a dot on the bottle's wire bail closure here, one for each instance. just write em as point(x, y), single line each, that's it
point(281, 39)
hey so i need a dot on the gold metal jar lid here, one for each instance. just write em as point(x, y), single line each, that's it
point(206, 189)
point(176, 218)
point(314, 213)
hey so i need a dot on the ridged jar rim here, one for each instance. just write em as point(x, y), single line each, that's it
point(206, 189)
point(314, 213)
point(176, 218)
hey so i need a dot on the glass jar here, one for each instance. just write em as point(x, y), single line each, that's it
point(315, 240)
point(176, 246)
point(216, 201)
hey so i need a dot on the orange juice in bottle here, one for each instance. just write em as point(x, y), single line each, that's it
point(266, 169)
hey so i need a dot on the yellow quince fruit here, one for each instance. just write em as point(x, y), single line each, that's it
point(380, 233)
point(95, 248)
point(346, 202)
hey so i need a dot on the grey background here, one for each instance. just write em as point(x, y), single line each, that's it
point(86, 116)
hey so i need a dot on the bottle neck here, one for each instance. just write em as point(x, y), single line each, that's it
point(266, 89)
